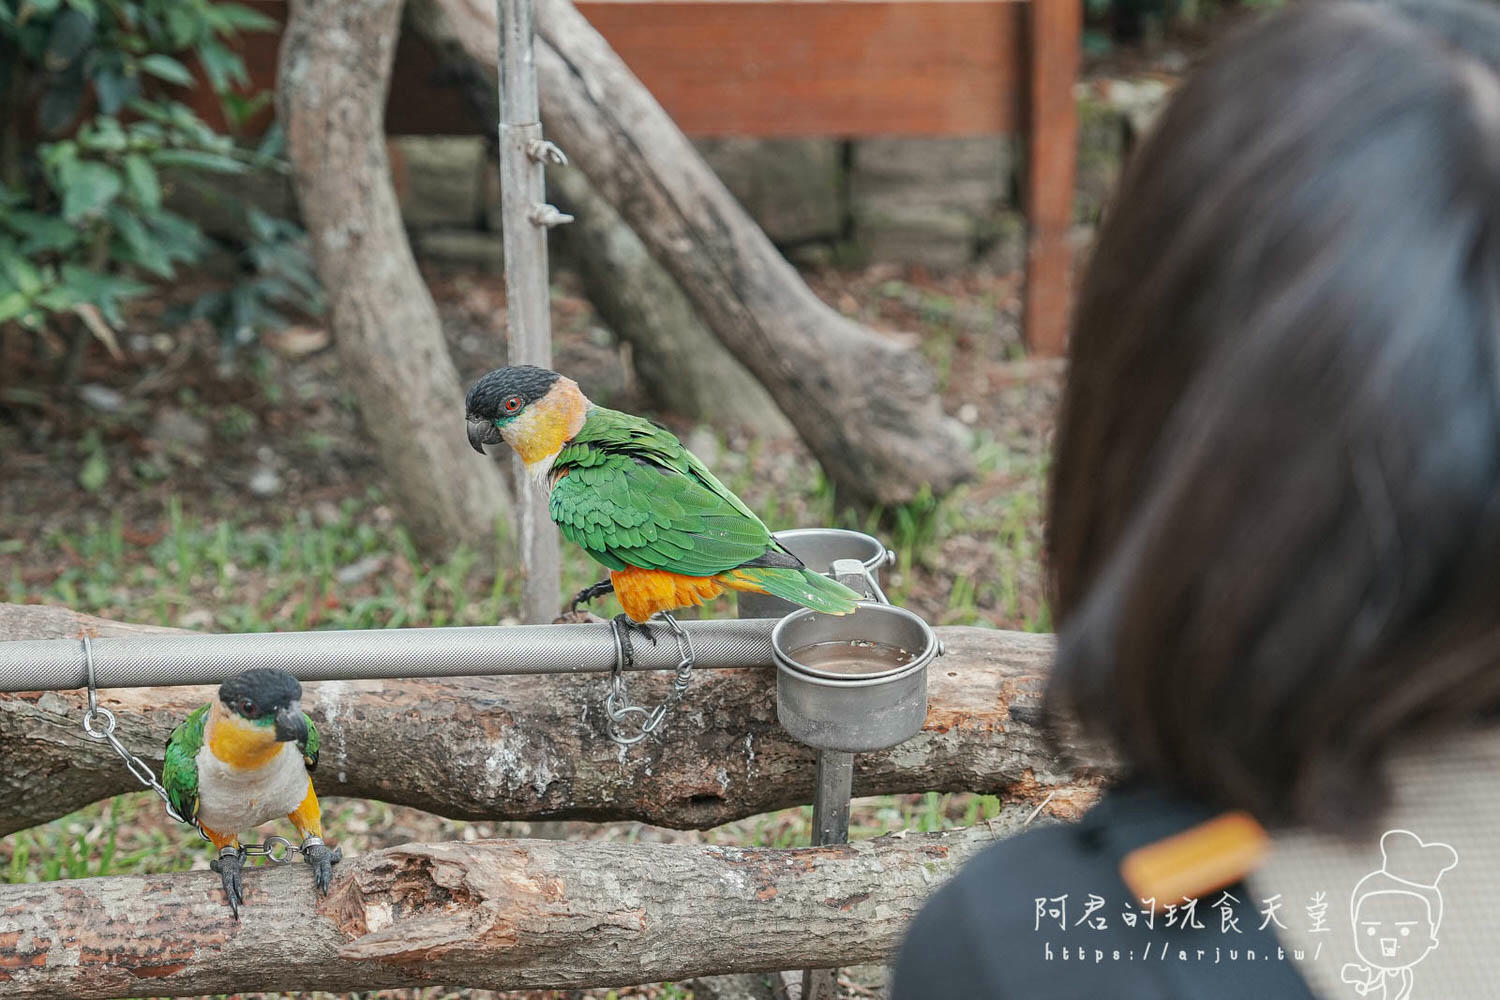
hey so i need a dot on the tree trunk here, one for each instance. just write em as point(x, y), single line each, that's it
point(497, 914)
point(866, 406)
point(335, 68)
point(534, 747)
point(676, 359)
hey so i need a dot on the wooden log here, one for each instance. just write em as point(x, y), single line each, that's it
point(335, 67)
point(866, 405)
point(496, 914)
point(535, 748)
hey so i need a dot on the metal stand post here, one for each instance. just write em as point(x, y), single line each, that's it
point(526, 219)
point(835, 786)
point(831, 799)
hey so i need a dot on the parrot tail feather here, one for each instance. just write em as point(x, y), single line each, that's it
point(799, 586)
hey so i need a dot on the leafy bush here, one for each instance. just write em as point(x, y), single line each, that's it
point(88, 139)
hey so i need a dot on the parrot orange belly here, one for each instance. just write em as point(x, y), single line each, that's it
point(644, 592)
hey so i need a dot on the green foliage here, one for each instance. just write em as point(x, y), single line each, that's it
point(127, 835)
point(276, 270)
point(83, 227)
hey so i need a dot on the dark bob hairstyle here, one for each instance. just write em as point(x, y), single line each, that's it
point(1274, 526)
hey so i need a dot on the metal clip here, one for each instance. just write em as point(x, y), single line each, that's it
point(548, 216)
point(542, 151)
point(844, 570)
point(273, 848)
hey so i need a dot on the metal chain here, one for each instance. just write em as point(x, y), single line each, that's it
point(278, 849)
point(143, 773)
point(623, 715)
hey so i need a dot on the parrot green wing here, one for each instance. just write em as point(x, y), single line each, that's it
point(631, 495)
point(179, 773)
point(310, 744)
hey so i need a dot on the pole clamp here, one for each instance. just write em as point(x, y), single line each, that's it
point(542, 151)
point(548, 216)
point(623, 715)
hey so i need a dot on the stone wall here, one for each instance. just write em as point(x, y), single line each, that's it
point(941, 203)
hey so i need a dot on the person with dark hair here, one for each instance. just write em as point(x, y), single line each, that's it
point(1274, 542)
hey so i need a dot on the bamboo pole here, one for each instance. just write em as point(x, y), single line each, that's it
point(526, 219)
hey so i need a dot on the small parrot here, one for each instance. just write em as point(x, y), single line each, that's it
point(242, 761)
point(626, 490)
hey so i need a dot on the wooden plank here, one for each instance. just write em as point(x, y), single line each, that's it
point(768, 68)
point(1053, 48)
point(886, 67)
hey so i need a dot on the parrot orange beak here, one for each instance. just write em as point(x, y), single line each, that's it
point(481, 433)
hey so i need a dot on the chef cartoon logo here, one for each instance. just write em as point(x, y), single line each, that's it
point(1396, 912)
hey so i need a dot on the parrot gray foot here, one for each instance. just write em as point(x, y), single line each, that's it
point(229, 864)
point(623, 627)
point(322, 858)
point(590, 592)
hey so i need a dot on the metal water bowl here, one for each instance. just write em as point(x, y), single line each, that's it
point(819, 548)
point(855, 682)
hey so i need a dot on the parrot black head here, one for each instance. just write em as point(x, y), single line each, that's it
point(267, 698)
point(502, 395)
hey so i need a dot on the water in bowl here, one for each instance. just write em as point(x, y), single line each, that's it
point(852, 657)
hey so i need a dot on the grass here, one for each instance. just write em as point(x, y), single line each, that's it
point(351, 566)
point(131, 834)
point(348, 569)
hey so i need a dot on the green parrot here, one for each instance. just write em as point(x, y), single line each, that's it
point(642, 505)
point(243, 760)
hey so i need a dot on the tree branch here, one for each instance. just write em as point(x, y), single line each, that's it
point(535, 748)
point(496, 914)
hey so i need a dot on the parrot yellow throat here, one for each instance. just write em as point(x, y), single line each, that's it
point(539, 433)
point(237, 742)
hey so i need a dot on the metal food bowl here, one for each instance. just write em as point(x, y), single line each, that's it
point(855, 682)
point(818, 548)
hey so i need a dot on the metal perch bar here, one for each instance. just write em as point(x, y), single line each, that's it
point(532, 747)
point(374, 654)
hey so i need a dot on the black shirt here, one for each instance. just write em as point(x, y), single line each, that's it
point(1045, 914)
